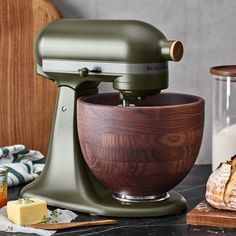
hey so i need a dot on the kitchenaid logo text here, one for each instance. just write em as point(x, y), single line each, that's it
point(157, 67)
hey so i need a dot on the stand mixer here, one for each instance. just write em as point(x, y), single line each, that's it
point(77, 55)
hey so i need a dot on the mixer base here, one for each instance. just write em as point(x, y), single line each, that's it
point(106, 205)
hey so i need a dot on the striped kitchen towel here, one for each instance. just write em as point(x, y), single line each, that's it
point(24, 165)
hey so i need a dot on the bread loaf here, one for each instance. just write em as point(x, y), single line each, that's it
point(221, 186)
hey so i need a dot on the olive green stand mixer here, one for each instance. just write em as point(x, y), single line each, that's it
point(77, 55)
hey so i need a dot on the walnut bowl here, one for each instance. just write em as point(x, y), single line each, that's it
point(141, 152)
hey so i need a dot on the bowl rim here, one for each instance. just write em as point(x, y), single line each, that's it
point(199, 100)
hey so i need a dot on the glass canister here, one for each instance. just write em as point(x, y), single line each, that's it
point(224, 114)
point(3, 186)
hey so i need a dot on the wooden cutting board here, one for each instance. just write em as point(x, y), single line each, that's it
point(205, 215)
point(26, 100)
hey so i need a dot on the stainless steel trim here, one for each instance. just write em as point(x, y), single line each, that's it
point(72, 67)
point(129, 198)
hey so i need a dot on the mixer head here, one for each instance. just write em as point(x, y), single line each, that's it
point(131, 54)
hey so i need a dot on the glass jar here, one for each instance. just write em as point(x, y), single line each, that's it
point(3, 186)
point(224, 114)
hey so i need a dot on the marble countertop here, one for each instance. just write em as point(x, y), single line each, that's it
point(192, 188)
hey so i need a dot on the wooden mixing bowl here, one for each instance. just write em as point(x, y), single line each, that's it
point(144, 150)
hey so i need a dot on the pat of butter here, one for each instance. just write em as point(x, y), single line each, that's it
point(27, 211)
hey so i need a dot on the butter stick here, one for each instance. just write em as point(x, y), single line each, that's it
point(27, 211)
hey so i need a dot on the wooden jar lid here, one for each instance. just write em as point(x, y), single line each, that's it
point(228, 70)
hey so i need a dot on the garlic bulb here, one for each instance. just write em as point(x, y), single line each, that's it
point(221, 186)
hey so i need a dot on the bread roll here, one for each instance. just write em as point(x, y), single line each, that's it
point(221, 186)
